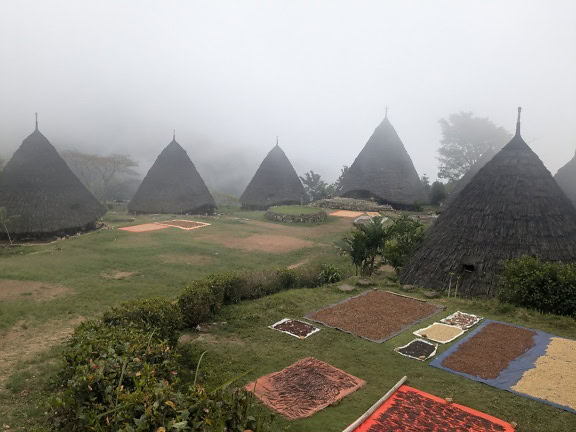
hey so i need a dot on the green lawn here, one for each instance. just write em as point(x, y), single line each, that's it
point(295, 210)
point(163, 262)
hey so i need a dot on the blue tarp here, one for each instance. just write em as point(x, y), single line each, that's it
point(510, 376)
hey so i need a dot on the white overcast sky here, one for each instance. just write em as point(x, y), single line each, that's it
point(119, 75)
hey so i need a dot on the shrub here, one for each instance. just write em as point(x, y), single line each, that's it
point(287, 279)
point(231, 286)
point(406, 236)
point(199, 302)
point(329, 274)
point(545, 286)
point(127, 380)
point(154, 314)
point(365, 243)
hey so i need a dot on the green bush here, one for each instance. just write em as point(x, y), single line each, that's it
point(124, 379)
point(154, 314)
point(199, 302)
point(287, 279)
point(231, 286)
point(406, 236)
point(548, 287)
point(329, 274)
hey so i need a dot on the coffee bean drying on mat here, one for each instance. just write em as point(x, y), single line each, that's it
point(461, 320)
point(412, 411)
point(297, 328)
point(377, 315)
point(488, 353)
point(418, 349)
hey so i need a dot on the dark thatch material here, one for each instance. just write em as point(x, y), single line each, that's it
point(566, 179)
point(463, 182)
point(173, 186)
point(42, 196)
point(275, 183)
point(384, 171)
point(511, 208)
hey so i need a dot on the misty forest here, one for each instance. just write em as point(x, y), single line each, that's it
point(306, 216)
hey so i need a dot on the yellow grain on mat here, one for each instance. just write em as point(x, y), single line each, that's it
point(554, 376)
point(439, 332)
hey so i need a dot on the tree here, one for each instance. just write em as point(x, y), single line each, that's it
point(465, 139)
point(365, 244)
point(97, 172)
point(4, 220)
point(406, 236)
point(437, 193)
point(426, 183)
point(315, 187)
point(337, 185)
point(2, 163)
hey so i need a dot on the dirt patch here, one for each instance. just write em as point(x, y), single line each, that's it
point(296, 328)
point(262, 243)
point(39, 291)
point(375, 315)
point(193, 260)
point(347, 213)
point(304, 388)
point(117, 275)
point(409, 410)
point(418, 349)
point(489, 352)
point(19, 344)
point(143, 228)
point(554, 374)
point(442, 333)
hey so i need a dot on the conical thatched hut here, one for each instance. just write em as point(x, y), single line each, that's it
point(463, 182)
point(511, 208)
point(41, 195)
point(275, 183)
point(384, 171)
point(173, 186)
point(566, 178)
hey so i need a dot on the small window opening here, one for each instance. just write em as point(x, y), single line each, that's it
point(468, 268)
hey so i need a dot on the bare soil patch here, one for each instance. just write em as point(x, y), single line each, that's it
point(489, 352)
point(117, 275)
point(261, 242)
point(194, 260)
point(554, 374)
point(143, 228)
point(40, 291)
point(19, 344)
point(304, 388)
point(375, 315)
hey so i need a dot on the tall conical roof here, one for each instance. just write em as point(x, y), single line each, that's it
point(275, 183)
point(511, 208)
point(566, 179)
point(383, 170)
point(42, 196)
point(463, 182)
point(173, 186)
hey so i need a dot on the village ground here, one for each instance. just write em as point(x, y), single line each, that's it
point(47, 289)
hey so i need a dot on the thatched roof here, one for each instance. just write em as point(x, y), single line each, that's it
point(566, 178)
point(384, 171)
point(463, 182)
point(172, 185)
point(275, 183)
point(42, 196)
point(512, 207)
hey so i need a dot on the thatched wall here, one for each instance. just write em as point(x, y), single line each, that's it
point(173, 186)
point(566, 179)
point(275, 183)
point(512, 207)
point(384, 171)
point(42, 196)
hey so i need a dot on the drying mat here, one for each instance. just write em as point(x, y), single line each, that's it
point(304, 388)
point(295, 328)
point(517, 374)
point(375, 315)
point(184, 224)
point(347, 213)
point(441, 333)
point(410, 410)
point(418, 349)
point(143, 228)
point(461, 320)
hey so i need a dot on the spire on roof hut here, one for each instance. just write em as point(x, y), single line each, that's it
point(518, 121)
point(36, 128)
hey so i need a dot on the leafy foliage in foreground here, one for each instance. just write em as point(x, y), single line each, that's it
point(406, 236)
point(548, 287)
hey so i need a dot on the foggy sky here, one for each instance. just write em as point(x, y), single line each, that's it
point(229, 76)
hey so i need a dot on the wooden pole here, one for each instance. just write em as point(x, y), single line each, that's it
point(375, 406)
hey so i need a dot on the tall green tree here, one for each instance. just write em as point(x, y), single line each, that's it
point(315, 187)
point(465, 138)
point(437, 193)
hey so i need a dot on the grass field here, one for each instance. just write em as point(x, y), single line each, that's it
point(49, 288)
point(295, 210)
